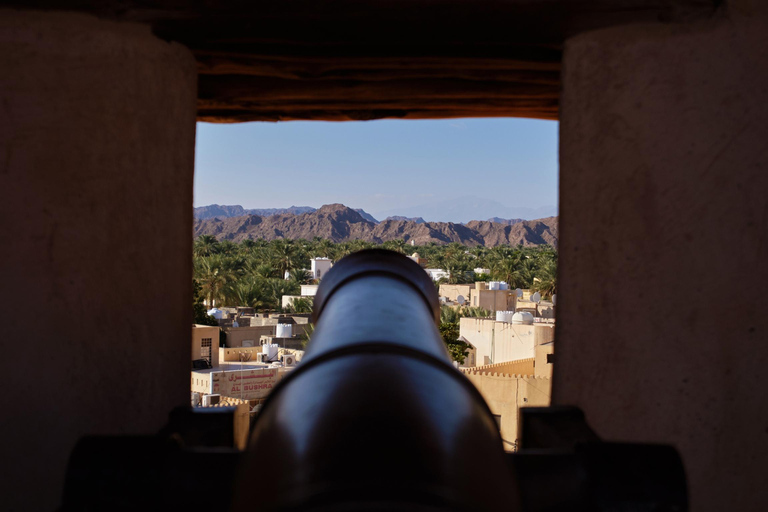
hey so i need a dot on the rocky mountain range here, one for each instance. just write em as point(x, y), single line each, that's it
point(221, 210)
point(339, 223)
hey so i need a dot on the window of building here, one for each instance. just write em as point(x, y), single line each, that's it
point(205, 349)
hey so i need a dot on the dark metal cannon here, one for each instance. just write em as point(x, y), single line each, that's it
point(376, 417)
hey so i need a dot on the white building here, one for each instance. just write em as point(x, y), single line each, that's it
point(497, 341)
point(320, 267)
point(308, 290)
point(437, 273)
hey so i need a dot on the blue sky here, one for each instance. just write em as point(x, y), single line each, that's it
point(380, 166)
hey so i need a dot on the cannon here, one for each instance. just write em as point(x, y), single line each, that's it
point(376, 417)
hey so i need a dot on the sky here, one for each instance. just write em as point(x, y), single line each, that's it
point(385, 166)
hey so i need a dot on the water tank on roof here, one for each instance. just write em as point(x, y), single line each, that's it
point(270, 350)
point(504, 316)
point(493, 285)
point(284, 330)
point(522, 318)
point(216, 313)
point(503, 286)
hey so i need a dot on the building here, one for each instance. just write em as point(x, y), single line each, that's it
point(308, 291)
point(205, 344)
point(418, 259)
point(320, 267)
point(452, 292)
point(481, 296)
point(248, 383)
point(506, 387)
point(437, 273)
point(500, 341)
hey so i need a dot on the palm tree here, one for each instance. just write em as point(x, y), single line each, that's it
point(546, 279)
point(284, 256)
point(301, 276)
point(449, 315)
point(249, 291)
point(397, 245)
point(474, 312)
point(213, 276)
point(264, 270)
point(276, 288)
point(205, 245)
point(509, 270)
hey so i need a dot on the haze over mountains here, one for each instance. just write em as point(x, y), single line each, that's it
point(467, 208)
point(339, 223)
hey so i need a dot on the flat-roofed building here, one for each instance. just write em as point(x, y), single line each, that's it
point(205, 343)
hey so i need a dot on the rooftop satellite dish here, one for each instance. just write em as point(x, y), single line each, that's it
point(460, 299)
point(554, 299)
point(536, 297)
point(519, 293)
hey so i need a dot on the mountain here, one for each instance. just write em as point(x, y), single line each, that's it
point(366, 216)
point(508, 222)
point(339, 223)
point(467, 208)
point(215, 210)
point(417, 220)
point(223, 211)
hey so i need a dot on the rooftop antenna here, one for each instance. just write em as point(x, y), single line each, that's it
point(519, 293)
point(461, 300)
point(554, 299)
point(536, 297)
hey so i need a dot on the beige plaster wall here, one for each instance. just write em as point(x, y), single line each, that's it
point(498, 342)
point(200, 332)
point(505, 394)
point(97, 132)
point(493, 300)
point(454, 290)
point(236, 335)
point(236, 354)
point(663, 136)
point(542, 365)
point(518, 367)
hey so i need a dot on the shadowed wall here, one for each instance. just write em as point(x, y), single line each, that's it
point(96, 163)
point(663, 214)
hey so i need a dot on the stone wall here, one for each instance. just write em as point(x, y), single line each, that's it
point(663, 186)
point(97, 135)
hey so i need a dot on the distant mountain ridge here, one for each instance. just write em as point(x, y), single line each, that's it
point(339, 223)
point(215, 210)
point(417, 220)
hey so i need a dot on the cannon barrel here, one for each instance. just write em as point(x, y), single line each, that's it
point(376, 417)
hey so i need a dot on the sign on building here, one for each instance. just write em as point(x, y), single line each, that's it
point(245, 384)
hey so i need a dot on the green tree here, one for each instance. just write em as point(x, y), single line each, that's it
point(284, 256)
point(205, 245)
point(301, 276)
point(474, 312)
point(200, 315)
point(456, 348)
point(213, 275)
point(301, 305)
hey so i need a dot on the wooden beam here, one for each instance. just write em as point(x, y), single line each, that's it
point(369, 59)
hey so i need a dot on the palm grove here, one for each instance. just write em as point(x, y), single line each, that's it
point(252, 273)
